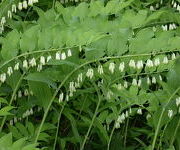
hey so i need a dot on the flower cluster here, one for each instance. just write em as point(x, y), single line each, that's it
point(25, 114)
point(169, 27)
point(175, 5)
point(20, 6)
point(121, 118)
point(26, 64)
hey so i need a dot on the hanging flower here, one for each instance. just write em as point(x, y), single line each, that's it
point(119, 86)
point(148, 116)
point(125, 84)
point(32, 62)
point(139, 82)
point(9, 14)
point(30, 2)
point(90, 73)
point(139, 111)
point(130, 110)
point(25, 64)
point(14, 8)
point(173, 57)
point(25, 5)
point(49, 58)
point(10, 71)
point(153, 80)
point(121, 66)
point(132, 63)
point(58, 56)
point(3, 77)
point(69, 53)
point(170, 113)
point(148, 81)
point(19, 94)
point(149, 63)
point(61, 96)
point(177, 101)
point(20, 6)
point(157, 62)
point(3, 21)
point(134, 82)
point(100, 69)
point(42, 60)
point(16, 67)
point(139, 64)
point(39, 67)
point(63, 56)
point(165, 60)
point(80, 77)
point(111, 67)
point(26, 92)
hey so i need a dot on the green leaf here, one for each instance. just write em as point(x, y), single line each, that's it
point(6, 141)
point(41, 77)
point(10, 46)
point(41, 91)
point(5, 110)
point(29, 39)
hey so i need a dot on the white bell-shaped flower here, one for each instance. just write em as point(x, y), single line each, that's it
point(58, 56)
point(165, 60)
point(139, 111)
point(100, 69)
point(111, 67)
point(134, 82)
point(90, 73)
point(63, 56)
point(42, 60)
point(170, 113)
point(32, 62)
point(3, 77)
point(125, 84)
point(139, 82)
point(61, 96)
point(149, 63)
point(80, 78)
point(132, 63)
point(30, 2)
point(173, 56)
point(177, 101)
point(153, 80)
point(16, 67)
point(139, 64)
point(20, 6)
point(69, 53)
point(10, 71)
point(49, 58)
point(9, 14)
point(25, 64)
point(121, 66)
point(157, 62)
point(25, 5)
point(14, 8)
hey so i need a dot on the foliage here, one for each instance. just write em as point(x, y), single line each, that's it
point(90, 75)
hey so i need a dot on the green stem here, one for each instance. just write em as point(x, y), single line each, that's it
point(94, 116)
point(110, 138)
point(104, 58)
point(175, 132)
point(125, 136)
point(54, 147)
point(12, 98)
point(160, 119)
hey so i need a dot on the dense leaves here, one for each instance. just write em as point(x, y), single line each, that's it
point(90, 75)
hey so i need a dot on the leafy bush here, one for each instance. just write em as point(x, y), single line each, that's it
point(90, 75)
